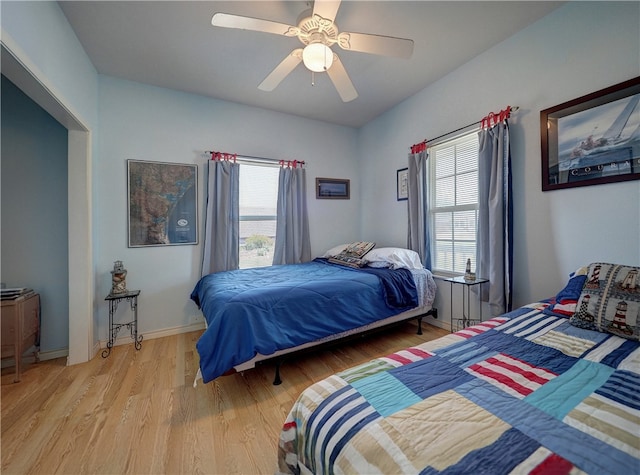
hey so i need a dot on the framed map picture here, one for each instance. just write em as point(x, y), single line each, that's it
point(162, 204)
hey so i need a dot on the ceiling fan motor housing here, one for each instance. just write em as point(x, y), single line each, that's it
point(315, 29)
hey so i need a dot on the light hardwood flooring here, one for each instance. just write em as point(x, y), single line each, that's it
point(137, 411)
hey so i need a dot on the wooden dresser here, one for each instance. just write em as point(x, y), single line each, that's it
point(20, 328)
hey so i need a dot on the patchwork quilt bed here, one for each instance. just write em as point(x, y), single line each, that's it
point(525, 392)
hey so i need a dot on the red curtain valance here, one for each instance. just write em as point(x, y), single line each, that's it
point(493, 118)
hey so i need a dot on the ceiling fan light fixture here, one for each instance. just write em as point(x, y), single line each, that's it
point(317, 57)
point(318, 32)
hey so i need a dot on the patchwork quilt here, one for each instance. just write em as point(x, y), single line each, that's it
point(525, 392)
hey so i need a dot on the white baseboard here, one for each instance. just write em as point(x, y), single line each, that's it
point(437, 322)
point(43, 356)
point(125, 339)
point(96, 348)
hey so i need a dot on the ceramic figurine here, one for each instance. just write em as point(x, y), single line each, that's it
point(118, 278)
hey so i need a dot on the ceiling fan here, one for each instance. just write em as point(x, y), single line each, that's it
point(318, 32)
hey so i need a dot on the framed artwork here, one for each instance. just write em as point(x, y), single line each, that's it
point(332, 189)
point(593, 139)
point(162, 203)
point(402, 190)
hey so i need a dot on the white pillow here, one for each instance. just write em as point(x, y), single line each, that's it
point(396, 257)
point(378, 264)
point(334, 251)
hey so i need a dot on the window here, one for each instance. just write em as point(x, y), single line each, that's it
point(258, 201)
point(454, 203)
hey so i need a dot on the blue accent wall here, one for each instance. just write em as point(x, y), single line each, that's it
point(34, 238)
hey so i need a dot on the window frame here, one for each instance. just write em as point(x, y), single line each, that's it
point(252, 217)
point(434, 210)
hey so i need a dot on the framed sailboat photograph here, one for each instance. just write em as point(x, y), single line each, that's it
point(593, 139)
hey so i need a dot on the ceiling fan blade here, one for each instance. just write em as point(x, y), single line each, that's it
point(376, 44)
point(281, 71)
point(341, 81)
point(226, 20)
point(327, 9)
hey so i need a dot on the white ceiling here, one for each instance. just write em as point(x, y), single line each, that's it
point(172, 44)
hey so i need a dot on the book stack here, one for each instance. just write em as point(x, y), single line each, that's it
point(14, 293)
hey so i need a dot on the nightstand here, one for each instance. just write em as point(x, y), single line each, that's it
point(21, 328)
point(466, 319)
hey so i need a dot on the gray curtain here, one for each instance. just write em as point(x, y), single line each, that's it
point(418, 236)
point(495, 218)
point(222, 220)
point(293, 244)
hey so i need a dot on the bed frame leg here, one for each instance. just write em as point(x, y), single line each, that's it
point(276, 380)
point(433, 312)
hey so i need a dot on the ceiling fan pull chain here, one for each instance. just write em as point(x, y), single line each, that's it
point(326, 68)
point(313, 78)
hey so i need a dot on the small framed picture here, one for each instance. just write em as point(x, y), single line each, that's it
point(332, 189)
point(402, 186)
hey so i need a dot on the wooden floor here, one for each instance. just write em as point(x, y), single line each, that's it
point(137, 411)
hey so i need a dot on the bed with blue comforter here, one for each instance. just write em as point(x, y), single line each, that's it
point(532, 391)
point(263, 310)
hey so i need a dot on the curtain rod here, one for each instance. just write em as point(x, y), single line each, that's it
point(250, 158)
point(487, 119)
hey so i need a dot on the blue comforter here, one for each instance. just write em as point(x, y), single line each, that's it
point(266, 309)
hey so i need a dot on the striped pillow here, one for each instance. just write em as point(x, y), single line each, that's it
point(348, 261)
point(352, 254)
point(358, 249)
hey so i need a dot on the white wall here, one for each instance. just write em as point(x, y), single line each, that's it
point(41, 35)
point(580, 48)
point(148, 123)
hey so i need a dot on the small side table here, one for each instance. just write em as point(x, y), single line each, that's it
point(466, 320)
point(21, 329)
point(130, 296)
